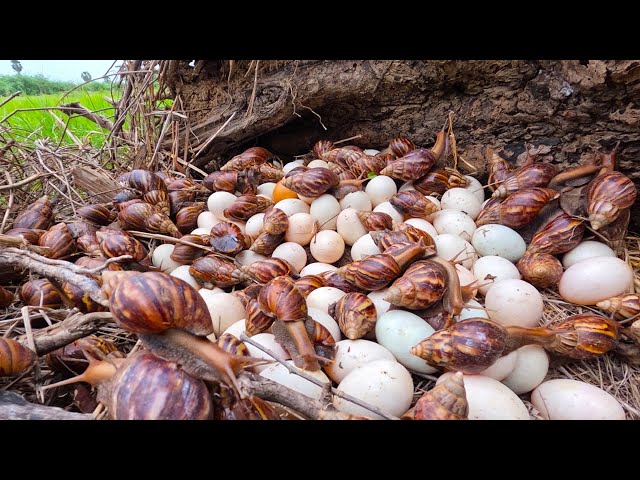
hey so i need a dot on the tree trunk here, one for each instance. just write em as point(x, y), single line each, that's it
point(571, 109)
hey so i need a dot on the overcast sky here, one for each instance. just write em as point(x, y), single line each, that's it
point(60, 69)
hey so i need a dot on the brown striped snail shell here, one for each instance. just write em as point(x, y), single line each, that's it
point(6, 297)
point(445, 401)
point(228, 239)
point(143, 180)
point(117, 245)
point(221, 181)
point(414, 234)
point(256, 321)
point(366, 164)
point(336, 280)
point(371, 273)
point(142, 216)
point(266, 270)
point(95, 262)
point(405, 233)
point(295, 170)
point(187, 217)
point(160, 199)
point(153, 302)
point(468, 346)
point(309, 283)
point(59, 241)
point(344, 157)
point(80, 299)
point(71, 356)
point(34, 291)
point(375, 221)
point(400, 146)
point(406, 253)
point(266, 243)
point(246, 207)
point(98, 213)
point(81, 228)
point(422, 285)
point(247, 293)
point(622, 306)
point(434, 182)
point(607, 196)
point(499, 169)
point(356, 315)
point(560, 235)
point(456, 179)
point(540, 269)
point(39, 215)
point(180, 199)
point(125, 204)
point(184, 184)
point(232, 345)
point(31, 235)
point(249, 158)
point(345, 187)
point(413, 204)
point(216, 271)
point(322, 147)
point(89, 244)
point(311, 183)
point(414, 164)
point(185, 254)
point(275, 221)
point(15, 358)
point(527, 176)
point(257, 175)
point(519, 209)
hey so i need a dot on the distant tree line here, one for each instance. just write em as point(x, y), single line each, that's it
point(39, 85)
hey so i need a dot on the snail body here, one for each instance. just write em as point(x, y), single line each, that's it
point(608, 195)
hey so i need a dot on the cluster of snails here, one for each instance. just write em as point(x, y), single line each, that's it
point(359, 267)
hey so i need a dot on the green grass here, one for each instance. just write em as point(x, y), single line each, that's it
point(36, 124)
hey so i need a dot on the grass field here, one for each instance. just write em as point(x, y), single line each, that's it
point(41, 123)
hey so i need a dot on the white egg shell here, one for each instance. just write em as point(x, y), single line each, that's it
point(318, 164)
point(398, 331)
point(247, 257)
point(236, 329)
point(498, 240)
point(307, 200)
point(327, 246)
point(291, 206)
point(386, 207)
point(449, 246)
point(406, 186)
point(218, 202)
point(384, 384)
point(498, 267)
point(325, 209)
point(475, 187)
point(491, 400)
point(595, 279)
point(201, 231)
point(422, 224)
point(266, 189)
point(454, 222)
point(302, 227)
point(380, 189)
point(502, 368)
point(267, 340)
point(225, 309)
point(371, 151)
point(327, 322)
point(463, 200)
point(161, 258)
point(255, 225)
point(464, 275)
point(207, 221)
point(473, 310)
point(351, 354)
point(322, 297)
point(182, 272)
point(279, 373)
point(349, 226)
point(564, 399)
point(316, 268)
point(358, 200)
point(584, 250)
point(514, 302)
point(364, 247)
point(292, 253)
point(291, 165)
point(377, 297)
point(530, 370)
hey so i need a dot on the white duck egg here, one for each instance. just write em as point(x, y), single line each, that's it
point(225, 309)
point(292, 253)
point(201, 231)
point(247, 257)
point(291, 165)
point(325, 209)
point(236, 329)
point(327, 246)
point(530, 370)
point(266, 189)
point(384, 384)
point(491, 400)
point(564, 399)
point(502, 368)
point(464, 275)
point(475, 187)
point(317, 268)
point(318, 164)
point(267, 340)
point(380, 189)
point(371, 151)
point(494, 239)
point(386, 207)
point(377, 297)
point(451, 246)
point(406, 186)
point(493, 266)
point(255, 225)
point(351, 354)
point(454, 222)
point(327, 322)
point(349, 226)
point(463, 200)
point(279, 373)
point(472, 309)
point(291, 206)
point(584, 250)
point(514, 302)
point(322, 297)
point(302, 227)
point(207, 220)
point(595, 279)
point(218, 202)
point(364, 247)
point(399, 331)
point(358, 200)
point(161, 258)
point(422, 224)
point(182, 272)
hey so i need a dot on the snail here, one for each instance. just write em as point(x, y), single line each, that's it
point(422, 285)
point(15, 358)
point(372, 273)
point(144, 217)
point(406, 253)
point(311, 183)
point(40, 292)
point(499, 169)
point(275, 221)
point(519, 209)
point(445, 401)
point(309, 283)
point(159, 199)
point(187, 216)
point(251, 157)
point(560, 235)
point(244, 183)
point(414, 164)
point(375, 221)
point(246, 206)
point(608, 195)
point(413, 204)
point(400, 146)
point(256, 321)
point(622, 306)
point(39, 215)
point(117, 245)
point(527, 176)
point(59, 242)
point(540, 269)
point(355, 313)
point(6, 297)
point(227, 238)
point(266, 243)
point(99, 214)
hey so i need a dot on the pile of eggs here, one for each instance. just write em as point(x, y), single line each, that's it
point(378, 368)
